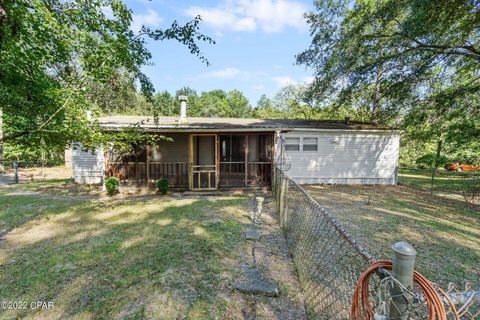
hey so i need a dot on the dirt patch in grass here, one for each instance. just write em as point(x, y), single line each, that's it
point(445, 232)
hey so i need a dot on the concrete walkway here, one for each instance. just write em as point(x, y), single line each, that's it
point(267, 277)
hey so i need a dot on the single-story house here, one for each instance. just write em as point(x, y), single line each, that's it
point(213, 153)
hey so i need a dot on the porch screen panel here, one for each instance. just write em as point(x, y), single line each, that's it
point(259, 160)
point(232, 161)
point(169, 160)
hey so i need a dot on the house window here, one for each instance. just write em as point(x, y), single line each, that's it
point(292, 144)
point(310, 144)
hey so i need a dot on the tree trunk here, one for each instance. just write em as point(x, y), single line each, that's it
point(376, 92)
point(2, 165)
point(435, 166)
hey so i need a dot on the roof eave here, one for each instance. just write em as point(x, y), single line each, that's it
point(187, 128)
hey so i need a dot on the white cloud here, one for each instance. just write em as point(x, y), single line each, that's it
point(151, 18)
point(222, 19)
point(284, 81)
point(248, 15)
point(258, 88)
point(227, 73)
point(308, 80)
point(231, 73)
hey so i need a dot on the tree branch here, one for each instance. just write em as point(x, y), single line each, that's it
point(463, 50)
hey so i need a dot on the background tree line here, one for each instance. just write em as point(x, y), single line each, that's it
point(290, 102)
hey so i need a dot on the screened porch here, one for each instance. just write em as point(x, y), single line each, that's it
point(199, 161)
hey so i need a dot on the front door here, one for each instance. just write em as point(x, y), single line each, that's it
point(203, 162)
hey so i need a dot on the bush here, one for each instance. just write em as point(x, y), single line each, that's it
point(112, 185)
point(162, 185)
point(429, 160)
point(471, 187)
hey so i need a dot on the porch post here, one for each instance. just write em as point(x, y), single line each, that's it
point(246, 160)
point(148, 165)
point(217, 157)
point(275, 137)
point(190, 161)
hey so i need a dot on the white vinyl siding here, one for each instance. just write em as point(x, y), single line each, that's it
point(87, 166)
point(345, 157)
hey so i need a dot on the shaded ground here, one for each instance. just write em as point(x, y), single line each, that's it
point(445, 232)
point(148, 257)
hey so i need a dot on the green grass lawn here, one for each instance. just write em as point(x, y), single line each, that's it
point(122, 259)
point(445, 232)
point(444, 180)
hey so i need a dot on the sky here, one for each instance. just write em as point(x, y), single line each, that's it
point(256, 44)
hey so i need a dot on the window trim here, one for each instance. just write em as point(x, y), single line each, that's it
point(291, 144)
point(310, 144)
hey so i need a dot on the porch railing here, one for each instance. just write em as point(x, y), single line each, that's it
point(139, 172)
point(258, 173)
point(232, 174)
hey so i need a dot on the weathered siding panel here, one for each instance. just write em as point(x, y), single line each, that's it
point(346, 157)
point(68, 158)
point(88, 166)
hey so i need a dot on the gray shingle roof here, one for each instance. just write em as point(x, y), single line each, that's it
point(233, 124)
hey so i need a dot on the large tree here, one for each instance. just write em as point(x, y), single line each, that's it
point(53, 53)
point(164, 104)
point(378, 53)
point(239, 107)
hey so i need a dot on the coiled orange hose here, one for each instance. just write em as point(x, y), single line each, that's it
point(362, 309)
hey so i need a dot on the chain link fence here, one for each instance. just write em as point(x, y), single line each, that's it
point(25, 171)
point(329, 263)
point(464, 184)
point(328, 260)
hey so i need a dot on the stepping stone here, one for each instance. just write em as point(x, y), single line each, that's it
point(252, 281)
point(253, 234)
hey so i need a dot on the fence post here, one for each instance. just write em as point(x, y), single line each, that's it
point(280, 199)
point(15, 171)
point(403, 267)
point(283, 200)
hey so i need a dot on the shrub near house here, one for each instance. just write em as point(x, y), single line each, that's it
point(112, 184)
point(162, 185)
